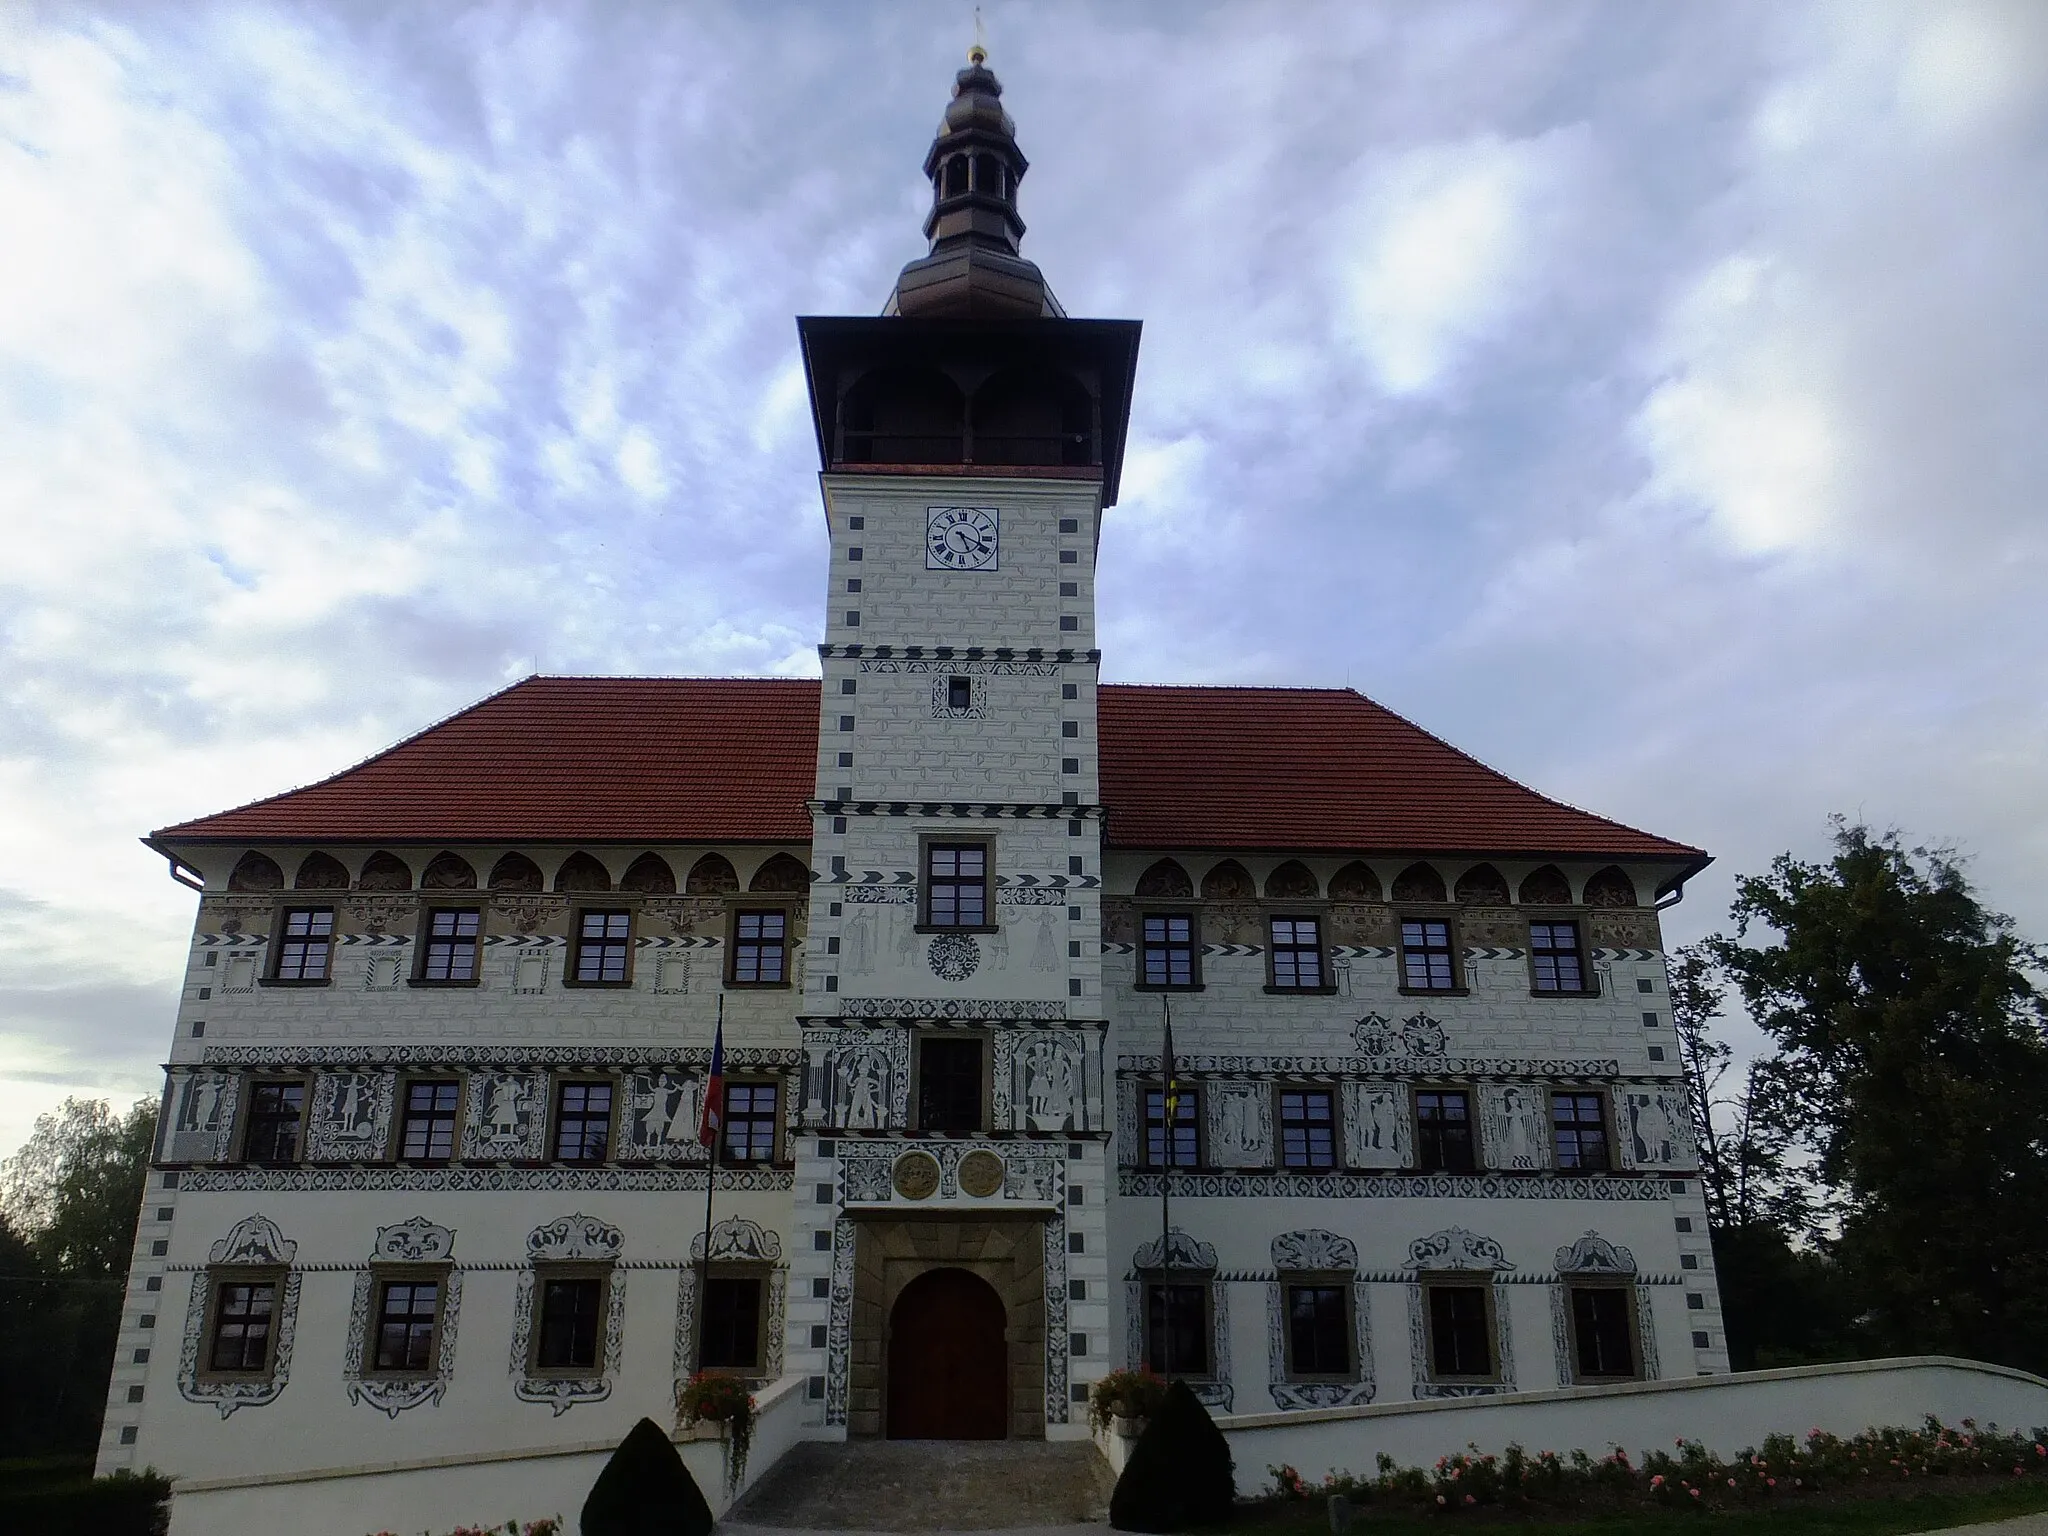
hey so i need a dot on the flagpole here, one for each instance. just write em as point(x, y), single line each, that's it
point(712, 1127)
point(1169, 1112)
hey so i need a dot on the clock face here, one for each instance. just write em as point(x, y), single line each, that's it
point(960, 538)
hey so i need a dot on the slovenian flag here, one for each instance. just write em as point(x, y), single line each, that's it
point(714, 1090)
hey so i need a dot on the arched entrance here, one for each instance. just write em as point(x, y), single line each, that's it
point(949, 1372)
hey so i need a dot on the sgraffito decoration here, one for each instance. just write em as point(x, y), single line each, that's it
point(1594, 1257)
point(417, 1241)
point(734, 1241)
point(1455, 1249)
point(253, 1246)
point(1331, 1259)
point(1179, 1257)
point(568, 1239)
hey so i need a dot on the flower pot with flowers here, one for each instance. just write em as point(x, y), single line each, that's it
point(1124, 1400)
point(723, 1405)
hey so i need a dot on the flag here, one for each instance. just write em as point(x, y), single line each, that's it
point(714, 1088)
point(1170, 1082)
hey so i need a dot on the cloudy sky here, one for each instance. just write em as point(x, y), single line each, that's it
point(1651, 399)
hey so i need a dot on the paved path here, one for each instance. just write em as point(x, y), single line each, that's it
point(887, 1486)
point(2023, 1525)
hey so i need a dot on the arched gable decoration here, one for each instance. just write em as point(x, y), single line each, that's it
point(1176, 1250)
point(712, 875)
point(1610, 888)
point(781, 875)
point(1228, 881)
point(1166, 879)
point(255, 871)
point(1594, 1255)
point(1483, 885)
point(581, 872)
point(1292, 881)
point(516, 872)
point(1546, 887)
point(448, 871)
point(1355, 882)
point(1419, 882)
point(320, 872)
point(650, 876)
point(1456, 1248)
point(385, 872)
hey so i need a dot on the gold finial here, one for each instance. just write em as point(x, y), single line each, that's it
point(978, 54)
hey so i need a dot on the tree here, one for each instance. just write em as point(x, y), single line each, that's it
point(68, 1203)
point(1912, 1061)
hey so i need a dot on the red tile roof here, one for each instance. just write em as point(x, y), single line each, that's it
point(664, 759)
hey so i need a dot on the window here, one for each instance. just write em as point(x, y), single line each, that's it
point(408, 1317)
point(428, 1131)
point(1603, 1333)
point(1297, 954)
point(603, 942)
point(242, 1312)
point(305, 944)
point(571, 1317)
point(1307, 1129)
point(1554, 953)
point(1443, 1130)
point(1580, 1131)
point(750, 1123)
point(959, 693)
point(449, 953)
point(583, 1122)
point(275, 1111)
point(1426, 958)
point(1177, 1329)
point(1167, 956)
point(1318, 1330)
point(949, 1084)
point(732, 1323)
point(956, 885)
point(1460, 1330)
point(760, 948)
point(1183, 1148)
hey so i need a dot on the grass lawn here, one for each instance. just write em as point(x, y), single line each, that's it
point(1882, 1516)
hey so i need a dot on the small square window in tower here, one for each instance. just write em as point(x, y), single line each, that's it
point(959, 693)
point(949, 1087)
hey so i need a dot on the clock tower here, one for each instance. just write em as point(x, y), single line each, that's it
point(955, 1035)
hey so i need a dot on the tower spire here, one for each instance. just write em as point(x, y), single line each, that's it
point(974, 165)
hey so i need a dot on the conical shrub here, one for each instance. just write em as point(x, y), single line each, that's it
point(645, 1490)
point(1180, 1473)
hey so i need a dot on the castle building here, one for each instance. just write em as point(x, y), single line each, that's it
point(430, 1184)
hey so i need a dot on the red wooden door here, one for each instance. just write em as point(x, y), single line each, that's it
point(949, 1369)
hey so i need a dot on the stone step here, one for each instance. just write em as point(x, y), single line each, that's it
point(929, 1485)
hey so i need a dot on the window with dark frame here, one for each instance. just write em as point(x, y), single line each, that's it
point(571, 1308)
point(731, 1339)
point(408, 1315)
point(451, 948)
point(1177, 1328)
point(1183, 1149)
point(949, 1084)
point(1603, 1333)
point(1443, 1130)
point(242, 1314)
point(1426, 959)
point(959, 693)
point(275, 1112)
point(749, 1123)
point(1554, 955)
point(583, 1122)
point(427, 1132)
point(1308, 1128)
point(1318, 1330)
point(1297, 951)
point(1579, 1131)
point(1167, 955)
point(305, 944)
point(956, 885)
point(604, 940)
point(1460, 1331)
point(760, 948)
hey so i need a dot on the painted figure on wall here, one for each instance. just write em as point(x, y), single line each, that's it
point(859, 1102)
point(1048, 1085)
